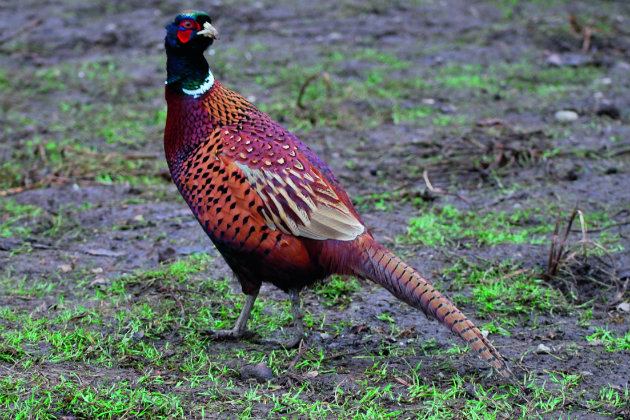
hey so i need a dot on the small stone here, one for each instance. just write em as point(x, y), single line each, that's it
point(543, 349)
point(569, 59)
point(448, 109)
point(624, 306)
point(555, 60)
point(64, 268)
point(260, 371)
point(566, 116)
point(312, 374)
point(166, 255)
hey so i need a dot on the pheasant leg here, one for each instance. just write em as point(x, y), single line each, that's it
point(297, 332)
point(238, 331)
point(298, 324)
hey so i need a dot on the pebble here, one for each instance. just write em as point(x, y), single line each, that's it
point(166, 255)
point(624, 306)
point(566, 116)
point(260, 371)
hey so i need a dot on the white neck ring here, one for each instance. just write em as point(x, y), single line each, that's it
point(203, 88)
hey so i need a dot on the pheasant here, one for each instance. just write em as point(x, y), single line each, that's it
point(272, 208)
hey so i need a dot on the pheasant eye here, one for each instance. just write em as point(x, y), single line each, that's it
point(189, 24)
point(186, 26)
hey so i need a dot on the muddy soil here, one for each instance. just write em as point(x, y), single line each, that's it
point(508, 153)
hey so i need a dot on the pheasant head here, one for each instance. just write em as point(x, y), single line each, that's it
point(187, 37)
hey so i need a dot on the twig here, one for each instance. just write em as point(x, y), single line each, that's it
point(515, 273)
point(583, 226)
point(586, 40)
point(340, 355)
point(586, 32)
point(627, 222)
point(621, 152)
point(17, 190)
point(179, 303)
point(301, 350)
point(24, 30)
point(308, 80)
point(108, 156)
point(557, 251)
point(425, 176)
point(195, 292)
point(430, 187)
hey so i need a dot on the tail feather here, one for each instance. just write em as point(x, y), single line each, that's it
point(381, 266)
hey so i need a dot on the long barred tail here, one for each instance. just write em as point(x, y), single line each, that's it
point(381, 266)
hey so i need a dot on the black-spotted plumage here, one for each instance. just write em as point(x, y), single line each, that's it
point(273, 209)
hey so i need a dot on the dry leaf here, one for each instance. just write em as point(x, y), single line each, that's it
point(65, 267)
point(402, 381)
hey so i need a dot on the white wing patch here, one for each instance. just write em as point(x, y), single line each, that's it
point(302, 205)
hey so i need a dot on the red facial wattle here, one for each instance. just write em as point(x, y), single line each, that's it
point(186, 28)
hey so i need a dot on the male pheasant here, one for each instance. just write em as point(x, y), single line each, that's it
point(273, 209)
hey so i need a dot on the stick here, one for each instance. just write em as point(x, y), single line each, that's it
point(308, 80)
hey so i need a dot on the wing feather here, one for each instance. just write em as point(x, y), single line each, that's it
point(302, 206)
point(293, 184)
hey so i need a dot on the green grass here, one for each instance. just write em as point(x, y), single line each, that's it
point(336, 291)
point(185, 379)
point(70, 137)
point(149, 359)
point(611, 341)
point(33, 398)
point(448, 225)
point(14, 218)
point(506, 289)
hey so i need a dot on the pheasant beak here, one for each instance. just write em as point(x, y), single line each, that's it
point(209, 31)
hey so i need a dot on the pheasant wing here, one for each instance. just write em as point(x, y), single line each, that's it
point(297, 196)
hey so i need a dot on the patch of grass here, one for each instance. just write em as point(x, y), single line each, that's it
point(337, 291)
point(467, 76)
point(506, 289)
point(415, 113)
point(448, 225)
point(71, 137)
point(381, 201)
point(610, 340)
point(14, 218)
point(21, 398)
point(450, 120)
point(152, 362)
point(21, 286)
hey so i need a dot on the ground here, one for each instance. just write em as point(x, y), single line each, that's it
point(444, 122)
